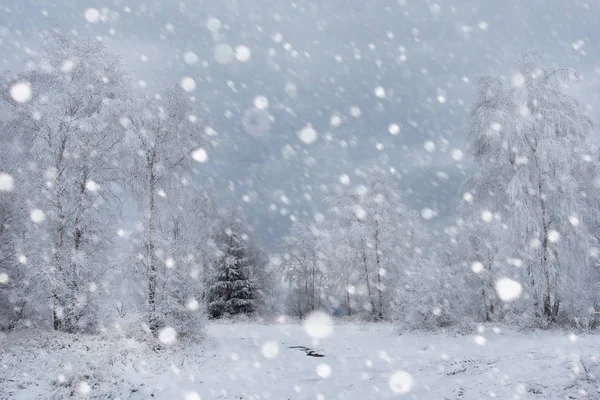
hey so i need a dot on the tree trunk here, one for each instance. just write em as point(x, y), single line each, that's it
point(378, 269)
point(313, 295)
point(70, 317)
point(367, 281)
point(536, 303)
point(306, 291)
point(556, 305)
point(547, 311)
point(485, 304)
point(57, 312)
point(348, 307)
point(152, 267)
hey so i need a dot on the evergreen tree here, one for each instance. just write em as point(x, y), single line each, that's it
point(232, 291)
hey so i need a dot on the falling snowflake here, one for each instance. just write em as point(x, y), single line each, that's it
point(324, 371)
point(67, 66)
point(37, 216)
point(92, 186)
point(487, 216)
point(188, 84)
point(573, 219)
point(308, 135)
point(91, 15)
point(200, 155)
point(335, 120)
point(190, 57)
point(318, 325)
point(21, 92)
point(553, 236)
point(167, 335)
point(261, 102)
point(192, 396)
point(270, 349)
point(477, 267)
point(518, 80)
point(192, 305)
point(428, 213)
point(508, 289)
point(380, 92)
point(213, 25)
point(394, 129)
point(355, 111)
point(480, 340)
point(242, 54)
point(457, 155)
point(401, 382)
point(6, 182)
point(84, 388)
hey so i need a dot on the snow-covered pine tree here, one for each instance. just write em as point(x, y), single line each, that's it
point(231, 290)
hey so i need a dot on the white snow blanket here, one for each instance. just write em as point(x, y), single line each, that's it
point(247, 361)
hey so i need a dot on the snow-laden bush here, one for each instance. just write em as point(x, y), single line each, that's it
point(431, 298)
point(54, 365)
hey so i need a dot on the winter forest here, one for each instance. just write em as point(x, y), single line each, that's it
point(299, 200)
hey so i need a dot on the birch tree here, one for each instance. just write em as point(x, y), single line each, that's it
point(187, 229)
point(162, 134)
point(63, 110)
point(386, 236)
point(303, 269)
point(531, 147)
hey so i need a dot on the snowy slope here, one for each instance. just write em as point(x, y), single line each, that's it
point(253, 361)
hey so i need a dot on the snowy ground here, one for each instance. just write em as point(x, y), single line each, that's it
point(254, 361)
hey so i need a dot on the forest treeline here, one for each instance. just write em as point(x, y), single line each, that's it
point(77, 143)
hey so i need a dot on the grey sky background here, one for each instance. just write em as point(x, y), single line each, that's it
point(425, 54)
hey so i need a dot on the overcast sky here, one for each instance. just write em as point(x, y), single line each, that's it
point(346, 68)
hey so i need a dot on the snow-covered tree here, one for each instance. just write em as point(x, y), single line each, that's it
point(232, 289)
point(384, 234)
point(303, 268)
point(266, 280)
point(344, 276)
point(348, 229)
point(477, 256)
point(13, 291)
point(165, 140)
point(62, 110)
point(531, 146)
point(185, 237)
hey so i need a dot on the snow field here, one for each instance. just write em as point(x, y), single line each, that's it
point(253, 361)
